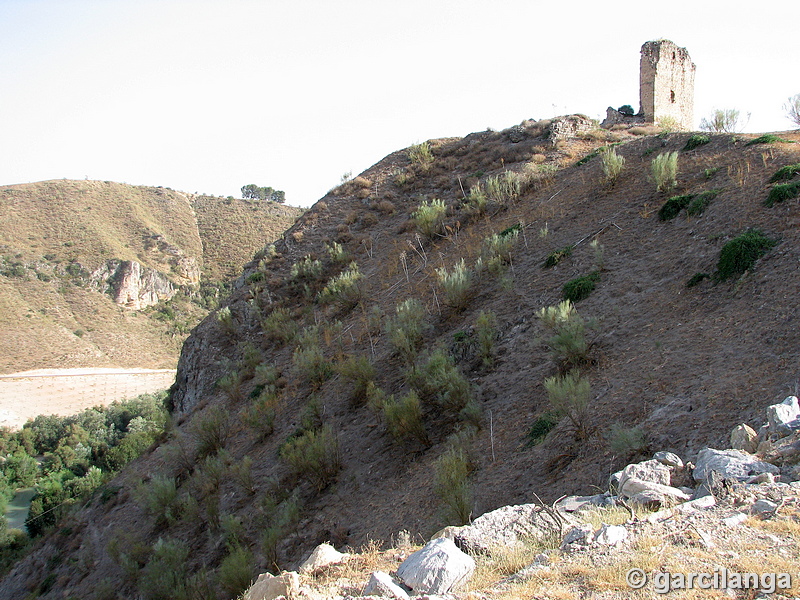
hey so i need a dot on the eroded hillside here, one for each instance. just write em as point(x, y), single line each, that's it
point(295, 421)
point(68, 274)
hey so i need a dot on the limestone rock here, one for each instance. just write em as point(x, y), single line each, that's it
point(579, 536)
point(651, 471)
point(577, 503)
point(269, 587)
point(506, 526)
point(631, 487)
point(784, 418)
point(764, 508)
point(731, 464)
point(668, 459)
point(437, 568)
point(131, 285)
point(381, 584)
point(323, 555)
point(611, 535)
point(743, 437)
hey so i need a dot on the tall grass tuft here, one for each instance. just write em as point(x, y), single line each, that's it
point(406, 328)
point(429, 217)
point(664, 169)
point(612, 164)
point(452, 486)
point(455, 284)
point(404, 418)
point(314, 455)
point(568, 395)
point(568, 344)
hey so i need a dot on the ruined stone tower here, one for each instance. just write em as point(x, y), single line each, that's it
point(666, 83)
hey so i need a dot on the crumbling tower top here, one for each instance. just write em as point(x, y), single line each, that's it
point(666, 83)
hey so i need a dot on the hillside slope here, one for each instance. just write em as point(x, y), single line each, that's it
point(269, 372)
point(61, 241)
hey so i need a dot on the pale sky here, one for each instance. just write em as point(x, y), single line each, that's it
point(207, 96)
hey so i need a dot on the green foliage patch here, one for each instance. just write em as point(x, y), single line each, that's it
point(695, 141)
point(579, 288)
point(741, 253)
point(781, 192)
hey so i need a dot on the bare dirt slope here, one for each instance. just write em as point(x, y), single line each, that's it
point(55, 234)
point(683, 364)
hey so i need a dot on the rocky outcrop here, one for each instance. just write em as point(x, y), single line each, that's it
point(133, 286)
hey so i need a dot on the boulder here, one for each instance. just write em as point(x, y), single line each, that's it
point(649, 471)
point(668, 459)
point(323, 555)
point(506, 526)
point(269, 587)
point(577, 503)
point(744, 437)
point(631, 487)
point(382, 584)
point(730, 464)
point(437, 568)
point(781, 417)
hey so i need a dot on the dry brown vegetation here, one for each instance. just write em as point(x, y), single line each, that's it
point(684, 364)
point(53, 234)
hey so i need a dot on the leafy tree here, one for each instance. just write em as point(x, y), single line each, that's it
point(254, 192)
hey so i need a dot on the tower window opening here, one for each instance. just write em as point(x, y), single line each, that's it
point(672, 96)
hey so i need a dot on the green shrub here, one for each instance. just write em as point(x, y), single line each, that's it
point(279, 326)
point(361, 372)
point(664, 169)
point(496, 250)
point(452, 487)
point(337, 253)
point(439, 379)
point(158, 498)
point(695, 141)
point(404, 418)
point(225, 320)
point(568, 344)
point(785, 173)
point(674, 206)
point(310, 364)
point(627, 440)
point(768, 138)
point(543, 425)
point(210, 431)
point(503, 188)
point(231, 384)
point(260, 415)
point(236, 571)
point(557, 256)
point(579, 288)
point(709, 173)
point(164, 575)
point(568, 395)
point(781, 192)
point(486, 334)
point(455, 284)
point(477, 200)
point(314, 455)
point(741, 253)
point(612, 164)
point(421, 155)
point(406, 328)
point(308, 268)
point(343, 289)
point(699, 204)
point(429, 217)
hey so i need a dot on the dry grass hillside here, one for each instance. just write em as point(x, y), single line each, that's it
point(54, 234)
point(295, 421)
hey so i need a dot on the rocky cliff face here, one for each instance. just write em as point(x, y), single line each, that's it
point(133, 286)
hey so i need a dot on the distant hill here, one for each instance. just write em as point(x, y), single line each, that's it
point(69, 278)
point(384, 369)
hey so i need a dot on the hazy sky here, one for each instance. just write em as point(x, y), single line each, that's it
point(207, 96)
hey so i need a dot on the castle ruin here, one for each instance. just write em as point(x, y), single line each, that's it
point(666, 87)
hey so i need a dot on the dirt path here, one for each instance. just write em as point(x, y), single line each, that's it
point(26, 394)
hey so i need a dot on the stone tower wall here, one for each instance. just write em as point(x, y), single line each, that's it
point(666, 83)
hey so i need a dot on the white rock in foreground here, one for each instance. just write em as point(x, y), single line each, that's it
point(381, 584)
point(269, 587)
point(437, 568)
point(323, 555)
